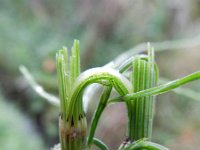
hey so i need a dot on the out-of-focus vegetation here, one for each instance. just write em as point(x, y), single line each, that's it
point(16, 130)
point(31, 32)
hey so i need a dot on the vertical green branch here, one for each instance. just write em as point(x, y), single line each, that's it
point(140, 110)
point(62, 84)
point(72, 126)
point(95, 119)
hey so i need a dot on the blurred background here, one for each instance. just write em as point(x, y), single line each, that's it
point(32, 31)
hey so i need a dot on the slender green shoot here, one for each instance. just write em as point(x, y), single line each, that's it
point(72, 127)
point(95, 119)
point(140, 110)
point(137, 91)
point(163, 88)
point(52, 99)
point(100, 144)
point(190, 94)
point(144, 144)
point(102, 76)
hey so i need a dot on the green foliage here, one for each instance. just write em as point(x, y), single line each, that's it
point(72, 121)
point(31, 31)
point(16, 130)
point(138, 98)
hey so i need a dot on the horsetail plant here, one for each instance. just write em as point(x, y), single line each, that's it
point(137, 90)
point(72, 124)
point(141, 110)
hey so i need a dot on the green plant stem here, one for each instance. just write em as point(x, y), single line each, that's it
point(52, 99)
point(165, 87)
point(143, 144)
point(128, 63)
point(102, 76)
point(100, 144)
point(189, 93)
point(158, 89)
point(140, 110)
point(101, 106)
point(72, 126)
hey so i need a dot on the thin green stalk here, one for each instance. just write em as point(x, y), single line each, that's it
point(52, 99)
point(189, 93)
point(100, 144)
point(64, 53)
point(95, 119)
point(163, 88)
point(62, 85)
point(128, 63)
point(143, 144)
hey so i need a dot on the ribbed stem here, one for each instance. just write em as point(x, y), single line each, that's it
point(72, 121)
point(73, 136)
point(95, 119)
point(141, 110)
